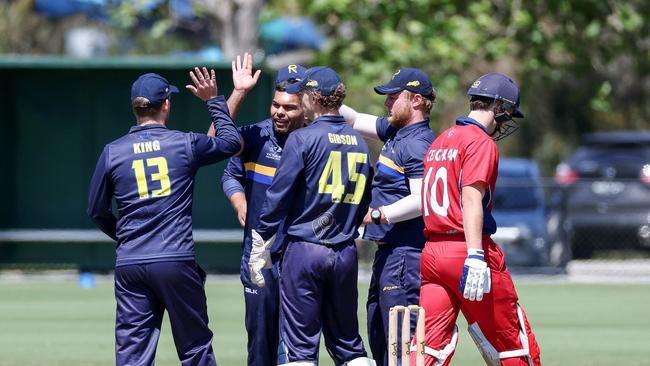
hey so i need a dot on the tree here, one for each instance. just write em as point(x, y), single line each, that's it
point(583, 66)
point(237, 21)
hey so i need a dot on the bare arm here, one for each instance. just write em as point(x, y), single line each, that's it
point(365, 123)
point(472, 197)
point(238, 202)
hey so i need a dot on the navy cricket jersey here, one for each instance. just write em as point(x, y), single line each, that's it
point(321, 184)
point(252, 172)
point(150, 172)
point(400, 160)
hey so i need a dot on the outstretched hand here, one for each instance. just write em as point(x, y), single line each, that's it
point(243, 79)
point(205, 84)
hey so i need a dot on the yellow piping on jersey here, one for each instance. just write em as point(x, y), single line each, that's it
point(391, 164)
point(260, 169)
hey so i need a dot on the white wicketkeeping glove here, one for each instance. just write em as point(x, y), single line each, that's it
point(475, 280)
point(260, 258)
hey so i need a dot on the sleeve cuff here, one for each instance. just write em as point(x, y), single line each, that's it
point(217, 99)
point(231, 187)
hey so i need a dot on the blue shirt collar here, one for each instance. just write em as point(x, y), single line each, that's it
point(331, 118)
point(146, 127)
point(466, 121)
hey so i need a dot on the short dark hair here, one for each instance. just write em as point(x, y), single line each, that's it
point(479, 103)
point(282, 86)
point(333, 101)
point(142, 107)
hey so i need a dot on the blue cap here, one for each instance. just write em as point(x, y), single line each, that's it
point(320, 78)
point(153, 87)
point(500, 87)
point(289, 74)
point(413, 80)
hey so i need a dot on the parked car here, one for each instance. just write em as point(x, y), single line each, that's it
point(520, 212)
point(606, 192)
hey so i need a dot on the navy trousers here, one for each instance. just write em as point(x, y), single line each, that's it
point(395, 281)
point(143, 292)
point(318, 291)
point(262, 315)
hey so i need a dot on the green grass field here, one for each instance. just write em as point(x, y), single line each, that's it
point(58, 323)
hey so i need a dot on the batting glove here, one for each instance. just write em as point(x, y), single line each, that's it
point(260, 258)
point(475, 280)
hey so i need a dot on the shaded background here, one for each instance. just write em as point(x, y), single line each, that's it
point(66, 66)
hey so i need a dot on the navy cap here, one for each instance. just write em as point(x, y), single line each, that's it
point(498, 86)
point(153, 87)
point(413, 80)
point(320, 78)
point(289, 74)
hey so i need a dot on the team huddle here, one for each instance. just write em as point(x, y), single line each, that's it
point(302, 183)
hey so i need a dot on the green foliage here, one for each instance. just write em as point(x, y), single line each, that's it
point(582, 65)
point(152, 32)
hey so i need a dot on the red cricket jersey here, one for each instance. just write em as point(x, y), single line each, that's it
point(460, 156)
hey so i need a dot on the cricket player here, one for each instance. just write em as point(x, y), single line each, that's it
point(462, 268)
point(318, 191)
point(245, 182)
point(150, 172)
point(394, 219)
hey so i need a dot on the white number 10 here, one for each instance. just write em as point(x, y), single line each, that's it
point(438, 208)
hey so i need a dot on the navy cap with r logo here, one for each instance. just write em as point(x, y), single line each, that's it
point(320, 78)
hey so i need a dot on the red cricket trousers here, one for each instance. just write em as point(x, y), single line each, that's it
point(498, 316)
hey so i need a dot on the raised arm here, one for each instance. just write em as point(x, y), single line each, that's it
point(243, 81)
point(226, 143)
point(365, 123)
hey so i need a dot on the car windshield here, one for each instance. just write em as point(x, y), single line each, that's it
point(626, 161)
point(516, 194)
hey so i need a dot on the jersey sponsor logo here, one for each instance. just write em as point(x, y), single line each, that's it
point(442, 155)
point(143, 147)
point(259, 173)
point(389, 288)
point(274, 153)
point(273, 156)
point(342, 139)
point(250, 291)
point(324, 224)
point(413, 83)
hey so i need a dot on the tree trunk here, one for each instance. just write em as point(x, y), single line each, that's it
point(237, 24)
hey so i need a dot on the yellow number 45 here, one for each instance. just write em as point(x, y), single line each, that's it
point(141, 178)
point(330, 181)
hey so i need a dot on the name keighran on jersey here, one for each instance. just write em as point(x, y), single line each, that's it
point(442, 155)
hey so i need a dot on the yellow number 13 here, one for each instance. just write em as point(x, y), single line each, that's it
point(141, 178)
point(336, 187)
